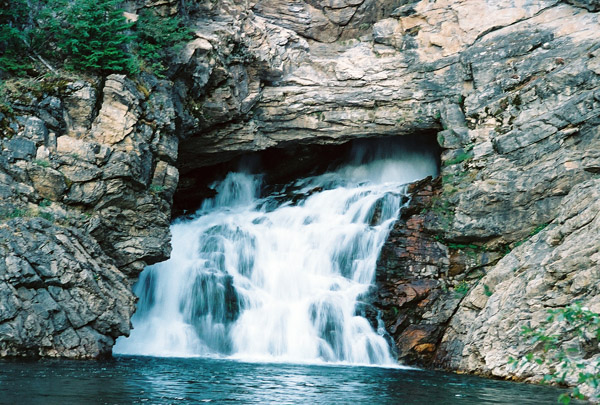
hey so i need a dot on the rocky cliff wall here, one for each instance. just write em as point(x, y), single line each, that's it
point(512, 88)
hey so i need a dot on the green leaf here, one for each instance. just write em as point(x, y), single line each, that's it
point(564, 398)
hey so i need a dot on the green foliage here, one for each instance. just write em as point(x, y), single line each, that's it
point(45, 203)
point(158, 38)
point(15, 213)
point(534, 232)
point(42, 163)
point(462, 289)
point(85, 36)
point(154, 189)
point(538, 229)
point(561, 352)
point(92, 35)
point(442, 209)
point(13, 36)
point(48, 216)
point(457, 246)
point(461, 157)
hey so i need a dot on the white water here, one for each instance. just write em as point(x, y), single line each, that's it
point(270, 280)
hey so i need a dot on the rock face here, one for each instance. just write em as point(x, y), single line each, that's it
point(60, 295)
point(556, 267)
point(86, 185)
point(511, 88)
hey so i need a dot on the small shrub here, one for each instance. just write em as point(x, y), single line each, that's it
point(13, 213)
point(461, 289)
point(158, 38)
point(578, 326)
point(47, 216)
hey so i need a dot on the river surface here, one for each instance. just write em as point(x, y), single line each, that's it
point(151, 380)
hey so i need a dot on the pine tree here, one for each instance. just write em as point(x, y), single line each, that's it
point(13, 33)
point(93, 36)
point(158, 38)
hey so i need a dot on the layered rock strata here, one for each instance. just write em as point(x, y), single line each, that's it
point(553, 269)
point(60, 295)
point(86, 180)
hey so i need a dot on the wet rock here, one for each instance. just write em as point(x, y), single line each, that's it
point(412, 293)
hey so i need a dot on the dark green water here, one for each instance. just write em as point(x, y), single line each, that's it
point(133, 380)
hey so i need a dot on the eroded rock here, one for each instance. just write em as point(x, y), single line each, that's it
point(553, 269)
point(60, 295)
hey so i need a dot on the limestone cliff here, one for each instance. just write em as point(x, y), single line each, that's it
point(511, 89)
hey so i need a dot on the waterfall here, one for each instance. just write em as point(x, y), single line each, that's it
point(278, 277)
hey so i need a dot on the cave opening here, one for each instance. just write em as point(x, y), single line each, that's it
point(283, 164)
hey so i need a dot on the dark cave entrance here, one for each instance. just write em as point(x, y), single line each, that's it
point(285, 163)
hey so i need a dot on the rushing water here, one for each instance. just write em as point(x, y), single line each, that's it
point(200, 380)
point(278, 278)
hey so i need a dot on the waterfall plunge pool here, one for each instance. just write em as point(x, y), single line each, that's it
point(135, 380)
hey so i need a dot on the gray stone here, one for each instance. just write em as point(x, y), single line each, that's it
point(387, 32)
point(21, 148)
point(35, 130)
point(590, 5)
point(48, 182)
point(87, 193)
point(79, 107)
point(53, 315)
point(552, 269)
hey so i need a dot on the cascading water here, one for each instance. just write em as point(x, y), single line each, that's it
point(278, 278)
